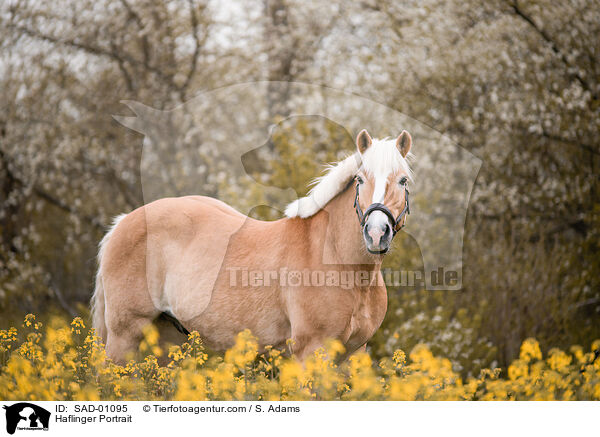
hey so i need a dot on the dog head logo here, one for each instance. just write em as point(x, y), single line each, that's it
point(26, 416)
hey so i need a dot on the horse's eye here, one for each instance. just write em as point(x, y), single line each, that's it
point(359, 179)
point(403, 181)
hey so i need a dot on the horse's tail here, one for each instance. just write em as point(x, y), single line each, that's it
point(98, 304)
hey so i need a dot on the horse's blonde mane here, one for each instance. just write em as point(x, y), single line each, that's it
point(382, 158)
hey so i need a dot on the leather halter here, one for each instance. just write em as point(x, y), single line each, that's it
point(394, 221)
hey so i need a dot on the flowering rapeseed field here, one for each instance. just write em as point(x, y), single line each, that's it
point(65, 362)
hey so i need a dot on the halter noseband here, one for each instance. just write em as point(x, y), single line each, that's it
point(395, 221)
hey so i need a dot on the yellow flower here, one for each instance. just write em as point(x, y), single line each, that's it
point(399, 358)
point(29, 320)
point(77, 325)
point(56, 364)
point(558, 360)
point(149, 343)
point(530, 350)
point(244, 351)
point(518, 369)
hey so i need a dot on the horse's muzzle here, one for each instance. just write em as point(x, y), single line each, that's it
point(377, 233)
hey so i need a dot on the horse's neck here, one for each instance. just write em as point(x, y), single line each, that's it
point(341, 239)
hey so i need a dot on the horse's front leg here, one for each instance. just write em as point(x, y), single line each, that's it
point(317, 316)
point(305, 344)
point(306, 339)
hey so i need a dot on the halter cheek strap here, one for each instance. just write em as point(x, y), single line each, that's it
point(394, 221)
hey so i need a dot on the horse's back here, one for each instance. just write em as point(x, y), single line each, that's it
point(171, 220)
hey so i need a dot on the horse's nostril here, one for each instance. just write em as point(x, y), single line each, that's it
point(386, 231)
point(366, 234)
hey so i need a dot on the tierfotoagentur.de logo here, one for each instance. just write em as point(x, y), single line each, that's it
point(25, 416)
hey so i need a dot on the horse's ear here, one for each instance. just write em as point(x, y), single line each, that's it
point(403, 143)
point(363, 141)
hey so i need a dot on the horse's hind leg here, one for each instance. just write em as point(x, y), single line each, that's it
point(127, 314)
point(124, 338)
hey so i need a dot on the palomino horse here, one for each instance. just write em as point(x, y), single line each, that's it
point(211, 269)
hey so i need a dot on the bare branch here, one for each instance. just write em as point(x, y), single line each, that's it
point(66, 207)
point(138, 21)
point(94, 50)
point(553, 45)
point(584, 146)
point(194, 60)
point(123, 69)
point(42, 194)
